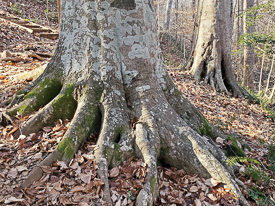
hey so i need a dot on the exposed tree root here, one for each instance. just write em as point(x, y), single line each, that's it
point(216, 169)
point(167, 132)
point(102, 172)
point(172, 142)
point(42, 118)
point(148, 140)
point(172, 131)
point(5, 119)
point(81, 126)
point(17, 97)
point(37, 171)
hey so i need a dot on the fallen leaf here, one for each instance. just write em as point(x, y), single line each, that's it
point(86, 178)
point(114, 172)
point(193, 189)
point(13, 173)
point(198, 202)
point(47, 129)
point(212, 182)
point(21, 168)
point(78, 189)
point(13, 199)
point(212, 197)
point(62, 164)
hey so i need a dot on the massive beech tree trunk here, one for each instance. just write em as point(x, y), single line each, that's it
point(211, 55)
point(108, 75)
point(248, 67)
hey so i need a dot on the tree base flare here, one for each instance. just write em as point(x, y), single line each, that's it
point(155, 133)
point(148, 137)
point(112, 81)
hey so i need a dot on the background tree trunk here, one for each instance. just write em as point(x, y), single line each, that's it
point(108, 71)
point(237, 32)
point(211, 56)
point(168, 15)
point(248, 73)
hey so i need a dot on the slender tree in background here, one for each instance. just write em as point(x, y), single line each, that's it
point(237, 21)
point(237, 33)
point(211, 55)
point(108, 71)
point(248, 66)
point(194, 3)
point(168, 15)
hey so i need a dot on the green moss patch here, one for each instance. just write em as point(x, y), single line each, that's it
point(64, 107)
point(113, 153)
point(118, 133)
point(109, 153)
point(91, 123)
point(163, 152)
point(178, 93)
point(206, 129)
point(43, 93)
point(24, 108)
point(152, 184)
point(66, 146)
point(91, 119)
point(234, 149)
point(117, 152)
point(21, 92)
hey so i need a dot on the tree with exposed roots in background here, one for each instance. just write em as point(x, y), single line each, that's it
point(108, 76)
point(211, 54)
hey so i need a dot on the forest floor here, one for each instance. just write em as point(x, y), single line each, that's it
point(77, 183)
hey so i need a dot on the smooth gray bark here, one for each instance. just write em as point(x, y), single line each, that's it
point(168, 14)
point(248, 73)
point(236, 33)
point(108, 54)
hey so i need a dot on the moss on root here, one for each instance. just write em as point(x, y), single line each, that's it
point(234, 149)
point(89, 124)
point(118, 132)
point(92, 118)
point(206, 129)
point(117, 152)
point(108, 153)
point(66, 146)
point(113, 154)
point(65, 104)
point(21, 92)
point(178, 93)
point(163, 152)
point(152, 184)
point(42, 93)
